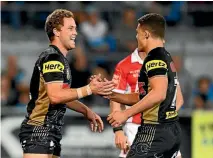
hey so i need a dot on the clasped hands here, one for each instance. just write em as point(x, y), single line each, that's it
point(116, 118)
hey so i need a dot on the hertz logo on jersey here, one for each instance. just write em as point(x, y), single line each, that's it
point(154, 64)
point(53, 66)
point(171, 114)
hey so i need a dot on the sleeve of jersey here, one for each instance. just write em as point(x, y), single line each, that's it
point(119, 78)
point(52, 68)
point(156, 67)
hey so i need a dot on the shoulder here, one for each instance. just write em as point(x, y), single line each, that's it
point(50, 54)
point(157, 55)
point(123, 64)
point(156, 59)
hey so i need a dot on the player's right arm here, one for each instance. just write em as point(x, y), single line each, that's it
point(120, 80)
point(121, 140)
point(127, 99)
point(52, 72)
point(58, 95)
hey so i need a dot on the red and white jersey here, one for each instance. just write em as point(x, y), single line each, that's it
point(126, 78)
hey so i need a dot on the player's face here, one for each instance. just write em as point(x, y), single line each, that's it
point(141, 38)
point(68, 33)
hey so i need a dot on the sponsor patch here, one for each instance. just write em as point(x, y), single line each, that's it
point(171, 114)
point(154, 64)
point(53, 66)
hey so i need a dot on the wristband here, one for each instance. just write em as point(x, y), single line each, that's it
point(115, 129)
point(84, 91)
point(79, 93)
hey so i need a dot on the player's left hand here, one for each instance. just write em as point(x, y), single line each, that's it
point(117, 118)
point(99, 122)
point(96, 122)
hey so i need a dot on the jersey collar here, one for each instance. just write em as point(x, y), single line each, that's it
point(135, 57)
point(56, 48)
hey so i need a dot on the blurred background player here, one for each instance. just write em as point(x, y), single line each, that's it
point(126, 79)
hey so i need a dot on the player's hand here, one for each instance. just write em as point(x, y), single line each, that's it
point(95, 121)
point(96, 76)
point(117, 118)
point(100, 87)
point(99, 123)
point(110, 96)
point(121, 141)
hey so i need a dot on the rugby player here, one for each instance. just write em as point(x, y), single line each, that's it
point(50, 92)
point(159, 96)
point(125, 78)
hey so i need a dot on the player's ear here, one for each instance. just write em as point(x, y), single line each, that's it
point(56, 32)
point(147, 34)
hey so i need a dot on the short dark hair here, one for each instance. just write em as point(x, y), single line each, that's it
point(56, 20)
point(155, 23)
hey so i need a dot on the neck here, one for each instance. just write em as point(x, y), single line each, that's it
point(154, 44)
point(62, 49)
point(142, 55)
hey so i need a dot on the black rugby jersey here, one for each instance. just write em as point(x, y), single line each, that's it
point(51, 66)
point(159, 62)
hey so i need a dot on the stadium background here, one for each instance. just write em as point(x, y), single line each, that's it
point(106, 34)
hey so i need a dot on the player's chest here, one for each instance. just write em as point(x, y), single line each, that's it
point(133, 74)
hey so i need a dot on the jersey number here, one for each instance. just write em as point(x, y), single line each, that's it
point(175, 95)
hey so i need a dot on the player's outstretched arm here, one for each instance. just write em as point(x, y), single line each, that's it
point(59, 95)
point(157, 94)
point(180, 100)
point(127, 99)
point(95, 120)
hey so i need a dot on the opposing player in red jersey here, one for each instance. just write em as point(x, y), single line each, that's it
point(126, 79)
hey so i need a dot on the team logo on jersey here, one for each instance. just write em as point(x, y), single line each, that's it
point(53, 66)
point(135, 73)
point(154, 64)
point(171, 114)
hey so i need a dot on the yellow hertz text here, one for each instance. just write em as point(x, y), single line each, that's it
point(154, 64)
point(171, 114)
point(53, 66)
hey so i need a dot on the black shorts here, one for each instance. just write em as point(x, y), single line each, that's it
point(40, 140)
point(156, 141)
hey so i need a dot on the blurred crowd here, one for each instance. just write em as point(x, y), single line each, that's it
point(104, 30)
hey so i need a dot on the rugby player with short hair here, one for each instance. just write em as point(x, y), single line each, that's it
point(50, 92)
point(159, 96)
